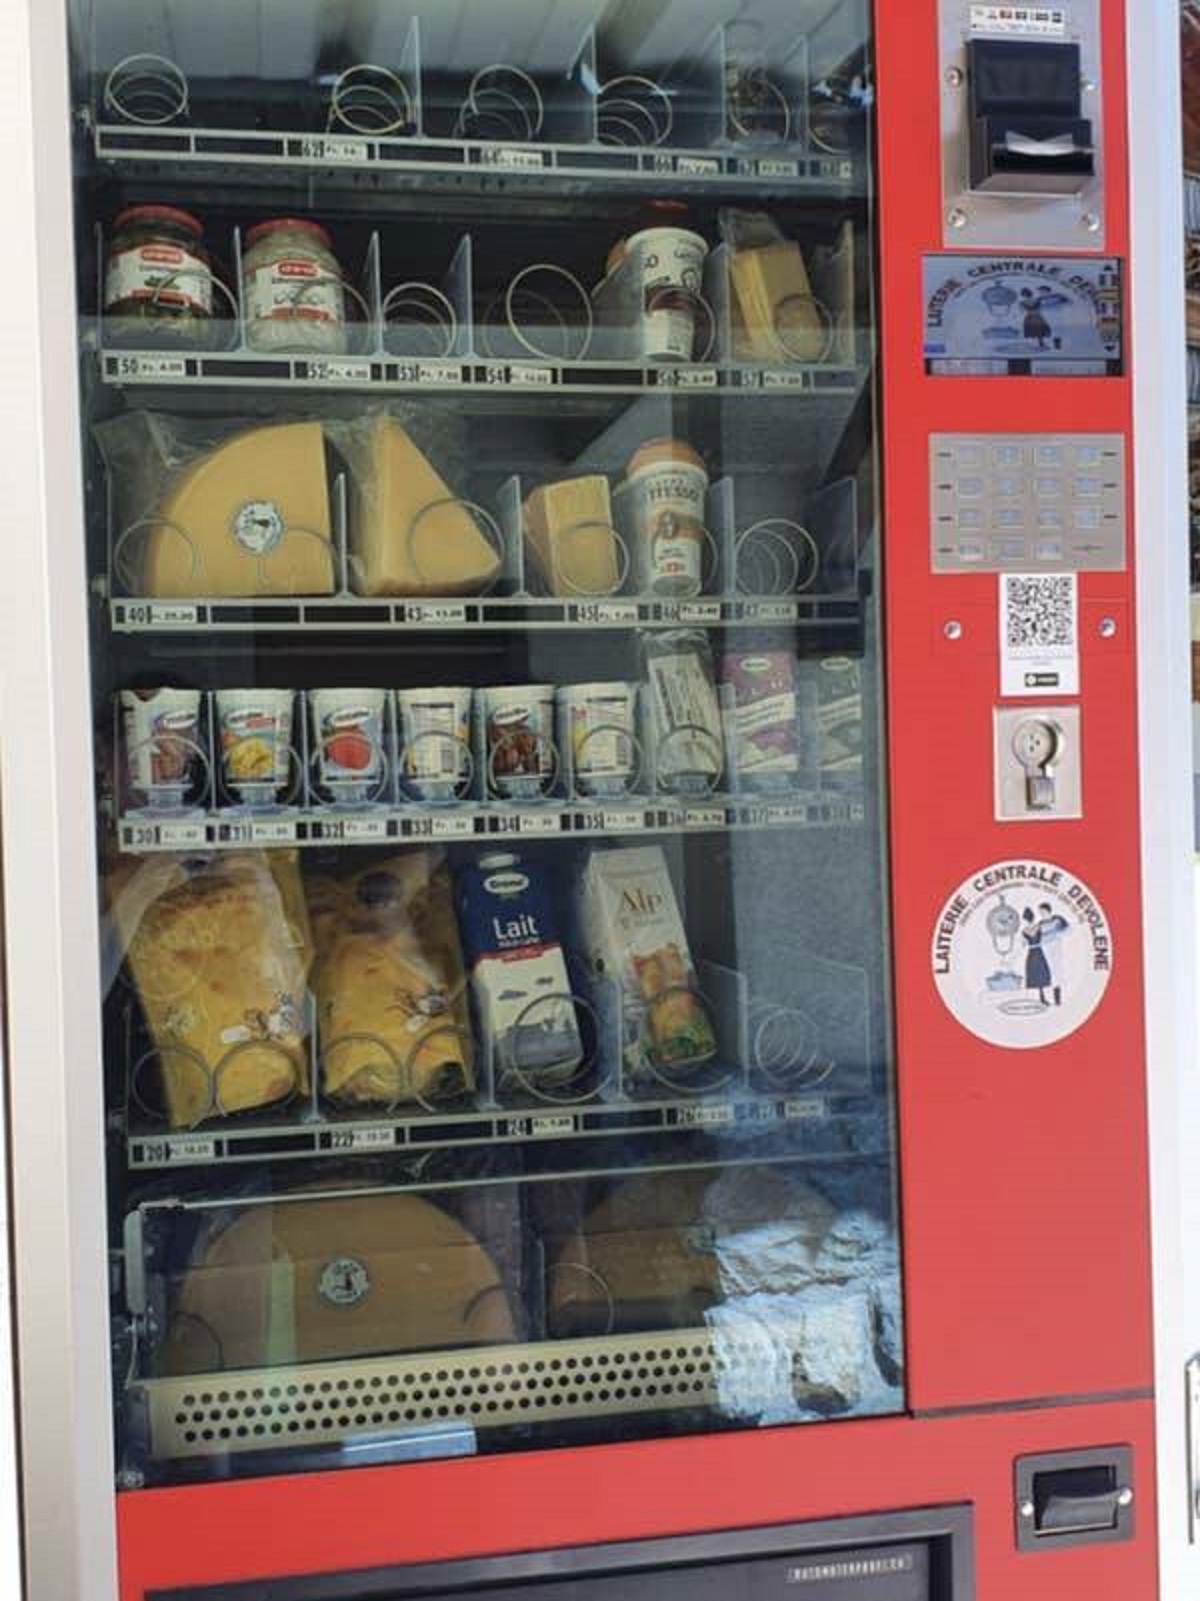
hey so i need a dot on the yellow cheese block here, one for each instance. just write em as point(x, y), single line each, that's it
point(409, 535)
point(249, 518)
point(569, 533)
point(777, 317)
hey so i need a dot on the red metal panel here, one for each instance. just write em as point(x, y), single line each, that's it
point(376, 1517)
point(1026, 1225)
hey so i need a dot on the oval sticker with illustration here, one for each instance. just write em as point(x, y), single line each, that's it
point(1022, 954)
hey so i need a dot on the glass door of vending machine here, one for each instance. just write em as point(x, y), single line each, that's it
point(479, 432)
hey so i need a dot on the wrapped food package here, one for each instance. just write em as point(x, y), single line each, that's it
point(311, 1280)
point(686, 732)
point(392, 1014)
point(776, 316)
point(202, 511)
point(633, 936)
point(409, 533)
point(219, 951)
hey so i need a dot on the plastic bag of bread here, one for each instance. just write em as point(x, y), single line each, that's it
point(219, 951)
point(310, 1280)
point(392, 1014)
point(409, 532)
point(218, 509)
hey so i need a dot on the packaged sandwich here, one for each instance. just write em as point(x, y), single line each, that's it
point(312, 1280)
point(392, 1015)
point(219, 950)
point(409, 532)
point(634, 938)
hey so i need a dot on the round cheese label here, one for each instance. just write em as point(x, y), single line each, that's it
point(1022, 953)
point(344, 1282)
point(258, 527)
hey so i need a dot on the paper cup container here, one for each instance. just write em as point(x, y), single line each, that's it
point(522, 759)
point(597, 725)
point(254, 728)
point(661, 277)
point(162, 744)
point(661, 507)
point(348, 732)
point(435, 762)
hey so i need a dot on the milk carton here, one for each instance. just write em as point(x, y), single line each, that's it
point(518, 973)
point(634, 939)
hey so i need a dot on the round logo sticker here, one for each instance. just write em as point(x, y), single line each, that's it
point(1022, 954)
point(258, 527)
point(344, 1282)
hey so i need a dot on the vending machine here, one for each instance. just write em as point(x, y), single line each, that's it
point(573, 852)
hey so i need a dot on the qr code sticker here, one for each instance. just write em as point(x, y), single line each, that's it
point(1040, 610)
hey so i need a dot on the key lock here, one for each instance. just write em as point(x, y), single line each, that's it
point(1038, 745)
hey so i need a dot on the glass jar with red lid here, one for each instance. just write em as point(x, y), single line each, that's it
point(293, 288)
point(158, 271)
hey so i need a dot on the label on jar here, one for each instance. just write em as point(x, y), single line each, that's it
point(294, 290)
point(665, 507)
point(166, 274)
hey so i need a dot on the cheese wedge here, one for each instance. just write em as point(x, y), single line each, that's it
point(409, 535)
point(249, 518)
point(569, 534)
point(777, 317)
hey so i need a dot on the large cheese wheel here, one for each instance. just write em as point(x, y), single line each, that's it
point(248, 518)
point(322, 1279)
point(409, 534)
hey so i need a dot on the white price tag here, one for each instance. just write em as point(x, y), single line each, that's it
point(438, 372)
point(770, 611)
point(626, 821)
point(174, 616)
point(435, 614)
point(154, 368)
point(700, 611)
point(695, 377)
point(704, 817)
point(780, 815)
point(773, 168)
point(335, 148)
point(278, 831)
point(456, 827)
point(698, 166)
point(340, 372)
point(365, 828)
point(192, 1149)
point(806, 1111)
point(552, 1125)
point(182, 836)
point(373, 1139)
point(529, 375)
point(608, 612)
point(703, 1116)
point(513, 157)
point(539, 823)
point(782, 378)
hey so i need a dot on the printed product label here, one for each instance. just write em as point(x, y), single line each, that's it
point(1022, 954)
point(690, 727)
point(259, 527)
point(165, 274)
point(294, 290)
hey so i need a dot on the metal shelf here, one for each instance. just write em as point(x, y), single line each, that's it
point(386, 1131)
point(492, 613)
point(251, 370)
point(146, 834)
point(240, 155)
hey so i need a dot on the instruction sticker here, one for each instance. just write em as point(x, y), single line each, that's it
point(1039, 634)
point(1022, 954)
point(1049, 22)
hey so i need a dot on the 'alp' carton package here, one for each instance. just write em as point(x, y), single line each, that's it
point(633, 937)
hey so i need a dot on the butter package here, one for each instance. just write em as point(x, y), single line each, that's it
point(200, 511)
point(570, 536)
point(409, 533)
point(634, 939)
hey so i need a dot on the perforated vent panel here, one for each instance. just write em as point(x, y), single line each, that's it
point(323, 1403)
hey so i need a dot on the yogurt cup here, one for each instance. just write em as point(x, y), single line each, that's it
point(660, 509)
point(652, 293)
point(162, 744)
point(254, 737)
point(348, 732)
point(435, 744)
point(597, 726)
point(518, 724)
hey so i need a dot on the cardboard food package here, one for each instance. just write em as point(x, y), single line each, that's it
point(570, 536)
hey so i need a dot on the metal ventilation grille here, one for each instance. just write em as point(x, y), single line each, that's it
point(327, 1402)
